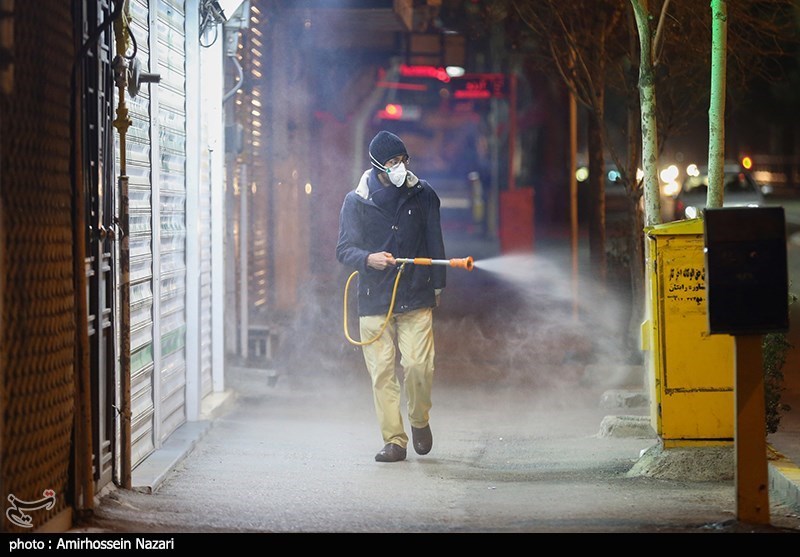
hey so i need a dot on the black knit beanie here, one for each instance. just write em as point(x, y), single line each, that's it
point(384, 147)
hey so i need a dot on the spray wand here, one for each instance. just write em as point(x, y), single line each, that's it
point(460, 263)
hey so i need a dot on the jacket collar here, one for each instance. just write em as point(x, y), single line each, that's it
point(362, 189)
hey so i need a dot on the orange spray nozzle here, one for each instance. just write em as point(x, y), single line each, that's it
point(462, 263)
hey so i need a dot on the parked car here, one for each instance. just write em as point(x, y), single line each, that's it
point(740, 190)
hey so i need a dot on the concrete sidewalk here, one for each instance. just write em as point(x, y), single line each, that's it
point(298, 457)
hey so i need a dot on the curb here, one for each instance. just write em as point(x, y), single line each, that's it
point(784, 482)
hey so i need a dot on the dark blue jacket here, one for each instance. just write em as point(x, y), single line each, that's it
point(409, 226)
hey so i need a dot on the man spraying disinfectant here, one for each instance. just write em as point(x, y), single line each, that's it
point(393, 212)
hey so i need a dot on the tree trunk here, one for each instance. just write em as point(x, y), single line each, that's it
point(716, 110)
point(650, 190)
point(597, 199)
point(647, 94)
point(597, 156)
point(636, 244)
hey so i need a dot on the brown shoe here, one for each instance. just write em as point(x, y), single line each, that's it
point(391, 453)
point(422, 439)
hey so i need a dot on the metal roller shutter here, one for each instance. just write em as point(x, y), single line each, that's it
point(156, 157)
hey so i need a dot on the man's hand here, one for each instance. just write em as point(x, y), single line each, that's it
point(380, 260)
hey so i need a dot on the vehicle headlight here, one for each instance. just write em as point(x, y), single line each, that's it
point(669, 174)
point(671, 188)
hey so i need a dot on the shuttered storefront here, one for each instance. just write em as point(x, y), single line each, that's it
point(156, 158)
point(172, 194)
point(204, 254)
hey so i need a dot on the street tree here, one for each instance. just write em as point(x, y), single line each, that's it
point(573, 47)
point(597, 48)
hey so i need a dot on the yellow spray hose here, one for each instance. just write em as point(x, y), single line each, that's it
point(388, 314)
point(461, 263)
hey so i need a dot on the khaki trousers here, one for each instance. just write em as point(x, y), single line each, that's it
point(413, 332)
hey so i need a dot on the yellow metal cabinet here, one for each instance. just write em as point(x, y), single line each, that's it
point(690, 373)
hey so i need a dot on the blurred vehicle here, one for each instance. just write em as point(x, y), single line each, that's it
point(740, 190)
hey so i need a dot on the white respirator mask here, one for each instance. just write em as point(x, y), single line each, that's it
point(397, 174)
